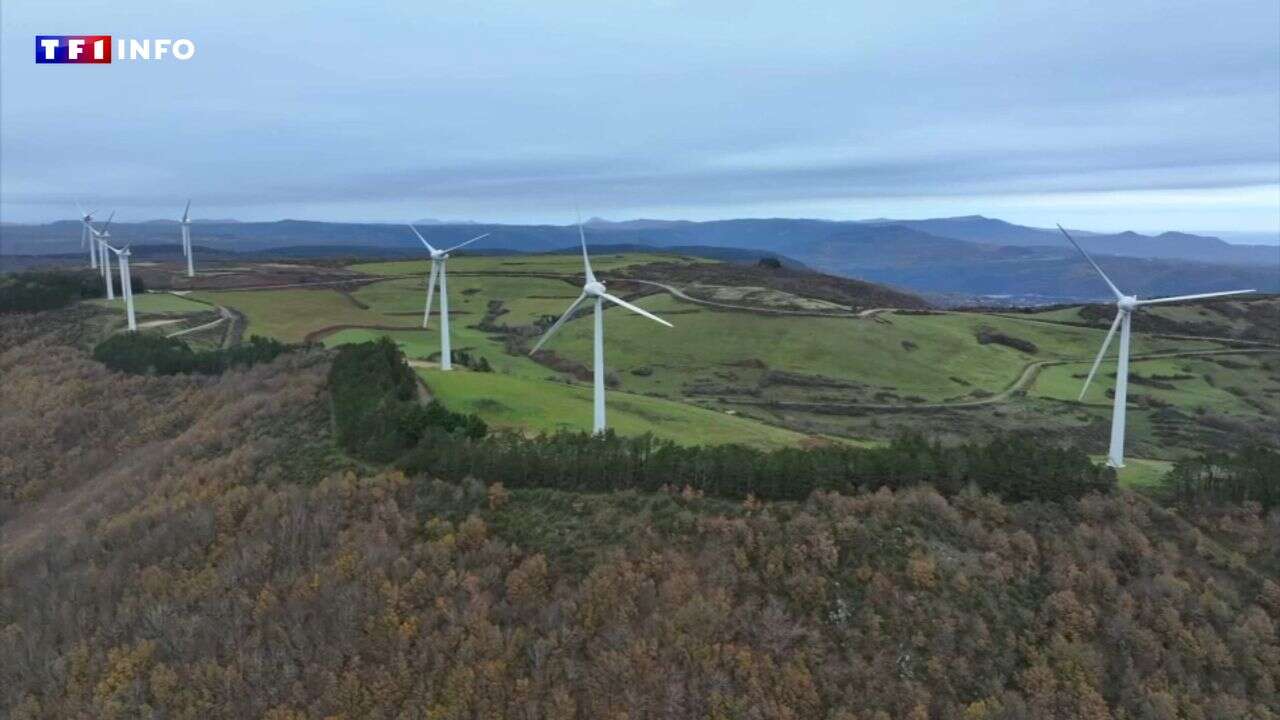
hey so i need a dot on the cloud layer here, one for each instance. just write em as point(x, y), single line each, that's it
point(696, 110)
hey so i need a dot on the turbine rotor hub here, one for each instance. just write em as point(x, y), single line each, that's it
point(1128, 303)
point(594, 289)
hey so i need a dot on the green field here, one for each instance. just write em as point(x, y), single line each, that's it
point(563, 264)
point(931, 357)
point(1219, 319)
point(774, 370)
point(544, 406)
point(1140, 474)
point(524, 299)
point(1185, 382)
point(156, 303)
point(290, 314)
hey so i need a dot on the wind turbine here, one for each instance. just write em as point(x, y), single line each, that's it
point(595, 290)
point(438, 259)
point(86, 237)
point(104, 260)
point(1125, 306)
point(126, 283)
point(186, 240)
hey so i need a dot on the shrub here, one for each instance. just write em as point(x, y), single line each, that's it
point(987, 336)
point(145, 354)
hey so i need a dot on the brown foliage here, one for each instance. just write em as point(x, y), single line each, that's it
point(199, 571)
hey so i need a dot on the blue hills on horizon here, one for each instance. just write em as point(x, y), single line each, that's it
point(964, 255)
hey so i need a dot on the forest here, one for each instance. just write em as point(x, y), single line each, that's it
point(1016, 466)
point(1248, 475)
point(144, 353)
point(51, 289)
point(202, 546)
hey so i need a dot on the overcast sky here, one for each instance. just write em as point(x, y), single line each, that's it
point(1131, 115)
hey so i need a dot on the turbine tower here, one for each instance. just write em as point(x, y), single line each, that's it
point(104, 260)
point(438, 259)
point(126, 283)
point(595, 290)
point(186, 240)
point(1125, 306)
point(86, 237)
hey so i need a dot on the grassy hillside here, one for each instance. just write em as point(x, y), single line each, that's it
point(863, 377)
point(156, 303)
point(291, 314)
point(542, 406)
point(559, 264)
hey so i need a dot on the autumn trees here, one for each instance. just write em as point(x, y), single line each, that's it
point(207, 554)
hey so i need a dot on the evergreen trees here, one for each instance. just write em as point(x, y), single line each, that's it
point(146, 353)
point(1251, 474)
point(375, 404)
point(1016, 467)
point(51, 289)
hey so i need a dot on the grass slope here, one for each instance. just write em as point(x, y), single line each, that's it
point(290, 314)
point(156, 303)
point(539, 405)
point(566, 264)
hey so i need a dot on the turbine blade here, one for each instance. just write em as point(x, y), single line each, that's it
point(431, 291)
point(80, 209)
point(1114, 290)
point(586, 261)
point(635, 309)
point(108, 223)
point(186, 213)
point(1103, 351)
point(478, 237)
point(1179, 298)
point(563, 319)
point(424, 240)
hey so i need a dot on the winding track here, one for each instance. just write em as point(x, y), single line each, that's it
point(224, 312)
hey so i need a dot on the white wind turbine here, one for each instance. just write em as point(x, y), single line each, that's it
point(126, 282)
point(1125, 306)
point(438, 260)
point(104, 260)
point(186, 240)
point(594, 289)
point(86, 237)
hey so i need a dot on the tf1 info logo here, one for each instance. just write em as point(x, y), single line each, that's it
point(100, 49)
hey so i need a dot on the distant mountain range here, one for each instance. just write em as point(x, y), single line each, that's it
point(970, 255)
point(1169, 245)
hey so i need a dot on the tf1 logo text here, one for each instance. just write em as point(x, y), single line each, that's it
point(101, 49)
